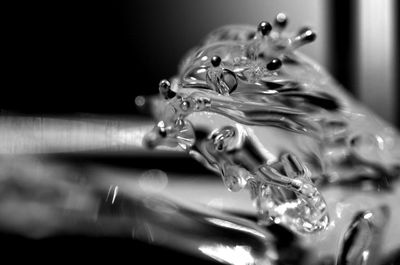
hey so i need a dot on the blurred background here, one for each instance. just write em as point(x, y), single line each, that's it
point(74, 57)
point(96, 56)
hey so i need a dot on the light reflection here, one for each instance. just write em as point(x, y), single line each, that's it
point(238, 255)
point(201, 70)
point(365, 255)
point(368, 215)
point(130, 137)
point(231, 225)
point(38, 135)
point(112, 191)
point(216, 203)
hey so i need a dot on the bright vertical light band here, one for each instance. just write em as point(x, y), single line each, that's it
point(376, 56)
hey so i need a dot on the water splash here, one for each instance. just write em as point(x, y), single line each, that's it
point(243, 82)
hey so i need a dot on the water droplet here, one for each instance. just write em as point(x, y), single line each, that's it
point(215, 61)
point(264, 28)
point(315, 120)
point(185, 105)
point(280, 21)
point(275, 64)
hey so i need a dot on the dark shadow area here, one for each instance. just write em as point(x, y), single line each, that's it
point(91, 250)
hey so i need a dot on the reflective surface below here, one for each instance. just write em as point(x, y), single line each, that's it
point(43, 196)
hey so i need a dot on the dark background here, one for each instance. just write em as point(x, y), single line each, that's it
point(80, 56)
point(71, 57)
point(97, 56)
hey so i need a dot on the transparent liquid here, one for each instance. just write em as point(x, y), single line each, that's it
point(313, 159)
